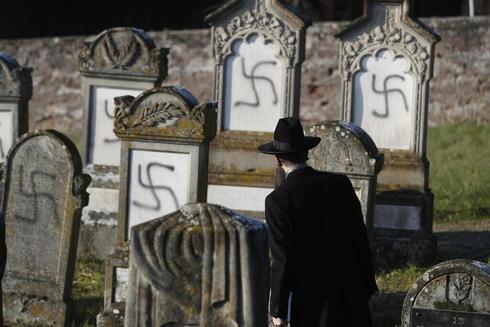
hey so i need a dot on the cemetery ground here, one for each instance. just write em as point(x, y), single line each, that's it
point(460, 180)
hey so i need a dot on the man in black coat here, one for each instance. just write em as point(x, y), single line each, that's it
point(318, 240)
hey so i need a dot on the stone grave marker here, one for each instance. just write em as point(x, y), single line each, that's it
point(44, 193)
point(346, 149)
point(15, 92)
point(165, 136)
point(452, 293)
point(119, 61)
point(387, 60)
point(258, 48)
point(203, 265)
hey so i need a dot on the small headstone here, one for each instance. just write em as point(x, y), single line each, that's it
point(346, 149)
point(201, 266)
point(387, 61)
point(15, 92)
point(44, 193)
point(165, 136)
point(452, 293)
point(258, 49)
point(119, 61)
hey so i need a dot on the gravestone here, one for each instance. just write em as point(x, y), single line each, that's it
point(258, 48)
point(203, 265)
point(15, 92)
point(387, 61)
point(119, 61)
point(452, 293)
point(346, 149)
point(165, 136)
point(44, 193)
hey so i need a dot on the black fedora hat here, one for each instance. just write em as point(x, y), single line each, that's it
point(288, 138)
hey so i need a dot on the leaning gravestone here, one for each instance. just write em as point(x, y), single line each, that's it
point(453, 293)
point(15, 92)
point(203, 265)
point(119, 61)
point(386, 61)
point(165, 136)
point(44, 193)
point(346, 149)
point(258, 48)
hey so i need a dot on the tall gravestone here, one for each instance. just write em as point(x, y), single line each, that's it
point(165, 136)
point(15, 92)
point(258, 48)
point(119, 61)
point(387, 60)
point(203, 265)
point(346, 149)
point(452, 293)
point(44, 193)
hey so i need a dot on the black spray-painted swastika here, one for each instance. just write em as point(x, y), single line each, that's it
point(387, 92)
point(253, 79)
point(31, 191)
point(111, 117)
point(153, 188)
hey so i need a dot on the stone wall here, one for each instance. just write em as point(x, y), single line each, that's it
point(460, 88)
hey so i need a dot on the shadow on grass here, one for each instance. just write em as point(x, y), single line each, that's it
point(86, 310)
point(386, 309)
point(474, 245)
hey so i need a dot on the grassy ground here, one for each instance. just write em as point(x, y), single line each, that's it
point(460, 179)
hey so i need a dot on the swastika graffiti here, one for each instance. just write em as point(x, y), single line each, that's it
point(153, 188)
point(111, 117)
point(32, 191)
point(387, 92)
point(253, 77)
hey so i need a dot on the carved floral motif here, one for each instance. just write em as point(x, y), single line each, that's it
point(258, 21)
point(391, 36)
point(461, 288)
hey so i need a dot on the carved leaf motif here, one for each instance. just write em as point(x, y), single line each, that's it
point(120, 58)
point(461, 288)
point(158, 113)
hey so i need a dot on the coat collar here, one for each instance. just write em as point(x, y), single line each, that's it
point(300, 171)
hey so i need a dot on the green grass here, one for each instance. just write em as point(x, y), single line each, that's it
point(459, 156)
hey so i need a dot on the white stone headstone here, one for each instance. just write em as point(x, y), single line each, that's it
point(5, 132)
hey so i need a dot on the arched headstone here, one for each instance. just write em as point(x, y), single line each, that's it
point(203, 265)
point(258, 48)
point(452, 293)
point(387, 62)
point(165, 136)
point(44, 193)
point(15, 92)
point(346, 149)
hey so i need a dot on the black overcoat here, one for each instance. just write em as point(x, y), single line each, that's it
point(320, 251)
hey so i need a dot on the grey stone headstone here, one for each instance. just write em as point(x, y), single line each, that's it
point(15, 92)
point(258, 48)
point(346, 149)
point(44, 193)
point(387, 62)
point(119, 61)
point(165, 136)
point(452, 293)
point(203, 265)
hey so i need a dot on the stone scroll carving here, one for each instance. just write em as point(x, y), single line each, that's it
point(125, 51)
point(203, 265)
point(44, 193)
point(15, 81)
point(452, 293)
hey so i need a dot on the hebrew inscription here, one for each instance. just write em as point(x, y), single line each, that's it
point(158, 184)
point(383, 100)
point(254, 79)
point(5, 133)
point(104, 147)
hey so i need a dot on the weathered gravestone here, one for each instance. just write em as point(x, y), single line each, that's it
point(203, 265)
point(346, 149)
point(119, 61)
point(453, 293)
point(386, 60)
point(165, 136)
point(44, 193)
point(15, 92)
point(258, 48)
